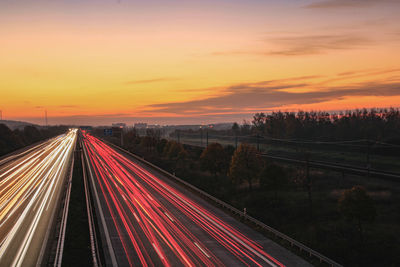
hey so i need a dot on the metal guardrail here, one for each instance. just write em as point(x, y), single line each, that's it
point(234, 210)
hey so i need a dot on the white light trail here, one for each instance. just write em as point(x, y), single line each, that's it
point(30, 184)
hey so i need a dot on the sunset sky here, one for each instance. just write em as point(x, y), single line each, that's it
point(179, 62)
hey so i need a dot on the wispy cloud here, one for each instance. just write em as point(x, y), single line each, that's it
point(303, 45)
point(317, 44)
point(343, 3)
point(156, 80)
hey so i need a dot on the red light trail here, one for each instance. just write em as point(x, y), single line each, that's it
point(153, 219)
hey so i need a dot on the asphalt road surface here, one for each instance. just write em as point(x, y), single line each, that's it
point(30, 185)
point(148, 220)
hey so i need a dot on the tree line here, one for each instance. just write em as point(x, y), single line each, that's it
point(11, 140)
point(373, 124)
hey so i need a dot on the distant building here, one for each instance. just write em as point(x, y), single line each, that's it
point(119, 124)
point(140, 125)
point(153, 126)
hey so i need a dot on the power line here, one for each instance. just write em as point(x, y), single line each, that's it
point(350, 143)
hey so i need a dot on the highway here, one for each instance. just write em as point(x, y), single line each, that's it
point(148, 220)
point(31, 183)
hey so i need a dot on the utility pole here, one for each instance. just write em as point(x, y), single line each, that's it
point(207, 137)
point(201, 137)
point(368, 160)
point(309, 186)
point(367, 152)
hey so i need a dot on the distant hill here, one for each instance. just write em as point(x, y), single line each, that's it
point(17, 124)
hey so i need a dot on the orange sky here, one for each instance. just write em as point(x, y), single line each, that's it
point(195, 61)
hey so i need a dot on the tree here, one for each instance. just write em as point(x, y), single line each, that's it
point(154, 133)
point(181, 161)
point(213, 158)
point(7, 140)
point(147, 142)
point(245, 128)
point(235, 127)
point(32, 134)
point(245, 165)
point(273, 177)
point(356, 206)
point(161, 145)
point(173, 149)
point(259, 122)
point(131, 136)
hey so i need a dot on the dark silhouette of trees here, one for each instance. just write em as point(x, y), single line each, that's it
point(181, 162)
point(148, 143)
point(153, 133)
point(356, 206)
point(245, 165)
point(259, 122)
point(32, 133)
point(214, 159)
point(16, 139)
point(273, 177)
point(245, 128)
point(235, 128)
point(161, 145)
point(173, 149)
point(8, 140)
point(382, 124)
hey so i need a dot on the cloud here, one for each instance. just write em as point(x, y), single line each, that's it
point(156, 80)
point(300, 45)
point(266, 95)
point(342, 3)
point(362, 74)
point(317, 44)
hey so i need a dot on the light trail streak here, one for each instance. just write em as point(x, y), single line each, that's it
point(142, 202)
point(30, 186)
